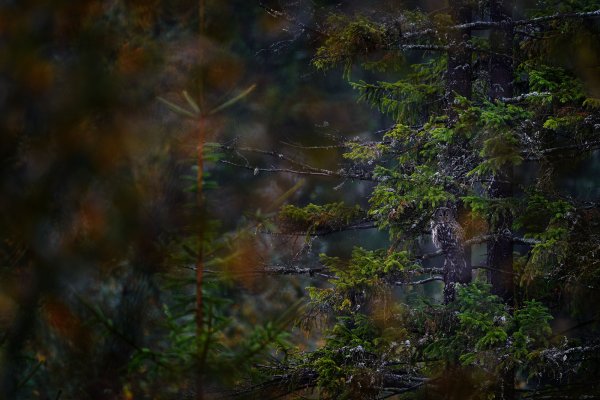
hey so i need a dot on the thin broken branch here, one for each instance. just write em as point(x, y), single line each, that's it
point(563, 151)
point(340, 174)
point(506, 23)
point(420, 282)
point(524, 96)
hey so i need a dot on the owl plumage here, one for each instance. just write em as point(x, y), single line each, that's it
point(448, 236)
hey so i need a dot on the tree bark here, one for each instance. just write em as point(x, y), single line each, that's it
point(457, 268)
point(459, 70)
point(500, 248)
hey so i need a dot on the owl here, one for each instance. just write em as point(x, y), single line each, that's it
point(448, 236)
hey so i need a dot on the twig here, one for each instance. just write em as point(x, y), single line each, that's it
point(420, 282)
point(277, 155)
point(327, 231)
point(326, 147)
point(524, 96)
point(586, 146)
point(326, 173)
point(505, 23)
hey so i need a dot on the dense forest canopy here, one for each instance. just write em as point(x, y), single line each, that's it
point(300, 199)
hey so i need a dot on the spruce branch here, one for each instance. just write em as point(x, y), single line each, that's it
point(503, 24)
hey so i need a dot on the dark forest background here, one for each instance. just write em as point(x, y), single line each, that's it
point(98, 178)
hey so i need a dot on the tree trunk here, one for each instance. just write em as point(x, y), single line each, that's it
point(499, 248)
point(459, 71)
point(458, 84)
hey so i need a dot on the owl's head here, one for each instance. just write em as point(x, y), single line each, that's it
point(443, 214)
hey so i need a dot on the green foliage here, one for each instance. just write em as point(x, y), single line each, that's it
point(362, 276)
point(498, 152)
point(459, 155)
point(365, 152)
point(592, 103)
point(562, 86)
point(366, 266)
point(408, 100)
point(547, 256)
point(314, 217)
point(400, 196)
point(481, 326)
point(538, 211)
point(482, 317)
point(548, 221)
point(401, 100)
point(556, 123)
point(226, 342)
point(532, 329)
point(496, 136)
point(485, 329)
point(347, 365)
point(493, 210)
point(347, 40)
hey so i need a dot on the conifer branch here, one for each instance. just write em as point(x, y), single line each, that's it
point(282, 14)
point(420, 282)
point(339, 174)
point(522, 97)
point(300, 378)
point(563, 151)
point(506, 23)
point(365, 224)
point(277, 155)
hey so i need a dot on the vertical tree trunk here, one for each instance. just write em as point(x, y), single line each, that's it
point(499, 247)
point(458, 83)
point(459, 71)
